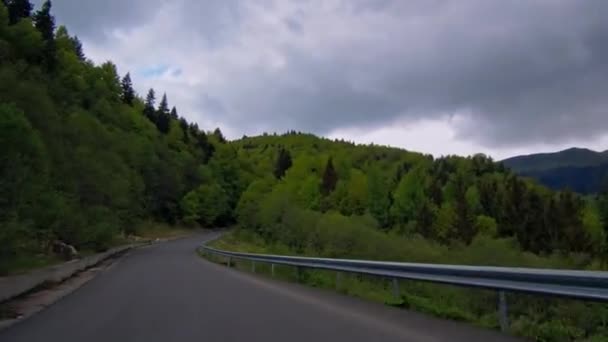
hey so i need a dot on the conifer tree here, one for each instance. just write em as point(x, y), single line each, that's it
point(78, 48)
point(128, 94)
point(45, 23)
point(163, 120)
point(218, 134)
point(330, 178)
point(149, 110)
point(282, 164)
point(163, 107)
point(18, 9)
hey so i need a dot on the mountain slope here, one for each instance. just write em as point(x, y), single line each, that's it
point(572, 157)
point(581, 170)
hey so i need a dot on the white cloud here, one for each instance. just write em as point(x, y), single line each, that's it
point(439, 138)
point(520, 76)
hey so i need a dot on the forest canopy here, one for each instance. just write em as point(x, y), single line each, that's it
point(85, 159)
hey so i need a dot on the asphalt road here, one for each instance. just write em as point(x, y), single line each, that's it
point(167, 293)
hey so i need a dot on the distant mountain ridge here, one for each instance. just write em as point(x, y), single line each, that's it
point(579, 169)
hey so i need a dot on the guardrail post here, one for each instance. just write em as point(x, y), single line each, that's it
point(298, 273)
point(502, 311)
point(396, 292)
point(229, 261)
point(272, 269)
point(253, 266)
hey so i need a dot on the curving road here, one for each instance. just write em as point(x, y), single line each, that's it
point(167, 293)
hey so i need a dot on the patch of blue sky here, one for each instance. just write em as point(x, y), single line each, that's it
point(154, 70)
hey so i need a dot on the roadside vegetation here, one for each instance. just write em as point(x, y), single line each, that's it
point(538, 318)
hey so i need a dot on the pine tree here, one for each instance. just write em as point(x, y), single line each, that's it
point(78, 48)
point(217, 133)
point(128, 94)
point(163, 107)
point(193, 129)
point(202, 142)
point(149, 111)
point(163, 120)
point(282, 164)
point(184, 125)
point(174, 113)
point(330, 178)
point(18, 9)
point(45, 23)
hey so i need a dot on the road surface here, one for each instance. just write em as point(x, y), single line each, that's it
point(167, 293)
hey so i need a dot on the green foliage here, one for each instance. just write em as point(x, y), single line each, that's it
point(206, 205)
point(128, 94)
point(486, 225)
point(330, 178)
point(85, 160)
point(80, 163)
point(44, 21)
point(249, 203)
point(408, 196)
point(283, 163)
point(355, 200)
point(23, 164)
point(378, 199)
point(19, 9)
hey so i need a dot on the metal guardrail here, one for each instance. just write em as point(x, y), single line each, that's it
point(583, 285)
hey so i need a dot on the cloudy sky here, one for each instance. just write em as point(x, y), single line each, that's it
point(443, 77)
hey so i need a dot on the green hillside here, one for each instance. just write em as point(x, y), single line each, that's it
point(83, 159)
point(87, 161)
point(578, 169)
point(572, 157)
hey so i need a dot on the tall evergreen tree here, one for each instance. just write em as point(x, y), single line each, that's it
point(330, 178)
point(78, 48)
point(18, 9)
point(174, 114)
point(202, 142)
point(184, 125)
point(217, 133)
point(282, 164)
point(128, 94)
point(149, 111)
point(163, 107)
point(163, 120)
point(45, 23)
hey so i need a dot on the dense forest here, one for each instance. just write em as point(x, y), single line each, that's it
point(85, 160)
point(581, 170)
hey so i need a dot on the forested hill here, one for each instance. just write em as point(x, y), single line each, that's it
point(581, 170)
point(572, 157)
point(85, 160)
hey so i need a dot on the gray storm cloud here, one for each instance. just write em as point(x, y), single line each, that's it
point(520, 71)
